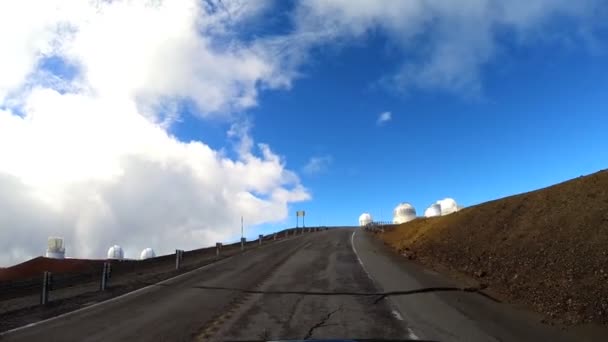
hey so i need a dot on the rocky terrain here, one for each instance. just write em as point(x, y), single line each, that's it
point(546, 249)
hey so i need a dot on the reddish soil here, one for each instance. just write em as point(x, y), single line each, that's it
point(34, 267)
point(546, 249)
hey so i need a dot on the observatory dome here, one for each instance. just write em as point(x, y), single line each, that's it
point(448, 206)
point(55, 248)
point(147, 254)
point(404, 212)
point(115, 252)
point(365, 219)
point(433, 210)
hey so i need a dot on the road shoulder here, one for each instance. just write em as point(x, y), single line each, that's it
point(453, 316)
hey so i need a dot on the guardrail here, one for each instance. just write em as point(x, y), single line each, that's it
point(105, 273)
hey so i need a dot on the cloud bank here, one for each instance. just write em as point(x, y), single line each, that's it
point(87, 98)
point(90, 90)
point(445, 44)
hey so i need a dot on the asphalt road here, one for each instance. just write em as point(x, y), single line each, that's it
point(311, 286)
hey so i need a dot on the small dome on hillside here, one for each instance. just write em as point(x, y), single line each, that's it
point(433, 210)
point(365, 219)
point(147, 254)
point(448, 206)
point(115, 252)
point(404, 212)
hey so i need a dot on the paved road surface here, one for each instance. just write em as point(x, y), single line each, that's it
point(204, 305)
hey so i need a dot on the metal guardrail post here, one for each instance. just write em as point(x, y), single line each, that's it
point(46, 280)
point(260, 237)
point(178, 258)
point(218, 247)
point(104, 277)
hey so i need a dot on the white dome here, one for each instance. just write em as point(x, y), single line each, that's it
point(433, 210)
point(448, 206)
point(365, 219)
point(147, 254)
point(404, 212)
point(115, 252)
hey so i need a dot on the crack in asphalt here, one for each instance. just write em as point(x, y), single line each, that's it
point(476, 290)
point(321, 323)
point(205, 333)
point(380, 295)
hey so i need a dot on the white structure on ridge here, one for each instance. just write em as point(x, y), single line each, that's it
point(147, 253)
point(365, 219)
point(433, 210)
point(115, 252)
point(404, 212)
point(448, 206)
point(55, 248)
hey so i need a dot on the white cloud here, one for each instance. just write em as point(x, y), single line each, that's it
point(317, 164)
point(383, 118)
point(177, 49)
point(98, 173)
point(90, 158)
point(445, 44)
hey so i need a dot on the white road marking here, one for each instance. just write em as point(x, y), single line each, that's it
point(395, 312)
point(143, 289)
point(352, 244)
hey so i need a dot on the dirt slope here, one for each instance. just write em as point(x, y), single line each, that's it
point(547, 249)
point(35, 267)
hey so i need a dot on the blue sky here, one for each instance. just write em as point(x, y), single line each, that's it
point(540, 118)
point(163, 134)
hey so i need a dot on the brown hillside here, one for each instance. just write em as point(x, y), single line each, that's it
point(547, 249)
point(35, 267)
